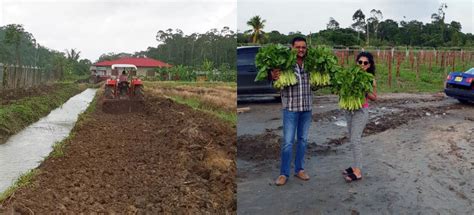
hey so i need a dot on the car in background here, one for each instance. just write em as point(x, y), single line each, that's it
point(460, 85)
point(246, 73)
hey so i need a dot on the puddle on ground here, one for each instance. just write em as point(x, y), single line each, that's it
point(375, 114)
point(26, 149)
point(341, 123)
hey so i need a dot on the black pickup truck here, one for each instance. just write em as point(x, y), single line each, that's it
point(246, 73)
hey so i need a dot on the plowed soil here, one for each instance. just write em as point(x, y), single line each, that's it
point(167, 158)
point(119, 106)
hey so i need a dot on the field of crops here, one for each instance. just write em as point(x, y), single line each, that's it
point(412, 70)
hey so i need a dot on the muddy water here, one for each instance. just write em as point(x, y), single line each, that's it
point(26, 149)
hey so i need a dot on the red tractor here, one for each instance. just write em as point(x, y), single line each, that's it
point(123, 92)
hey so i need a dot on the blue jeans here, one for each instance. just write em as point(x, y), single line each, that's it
point(294, 123)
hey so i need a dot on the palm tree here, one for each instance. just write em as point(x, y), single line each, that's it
point(257, 25)
point(73, 55)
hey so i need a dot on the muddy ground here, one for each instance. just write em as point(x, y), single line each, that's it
point(167, 158)
point(418, 154)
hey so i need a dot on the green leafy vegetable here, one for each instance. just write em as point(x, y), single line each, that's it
point(351, 85)
point(321, 63)
point(276, 56)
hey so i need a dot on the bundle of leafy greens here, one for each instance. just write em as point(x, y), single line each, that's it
point(321, 64)
point(352, 84)
point(276, 56)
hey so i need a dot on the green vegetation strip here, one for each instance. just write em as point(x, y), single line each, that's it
point(19, 114)
point(23, 181)
point(197, 104)
point(189, 83)
point(428, 81)
point(58, 151)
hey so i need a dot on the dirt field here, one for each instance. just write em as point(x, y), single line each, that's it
point(167, 158)
point(418, 153)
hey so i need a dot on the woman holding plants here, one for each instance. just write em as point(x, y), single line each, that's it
point(357, 119)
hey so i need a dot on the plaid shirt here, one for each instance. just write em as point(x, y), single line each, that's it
point(298, 97)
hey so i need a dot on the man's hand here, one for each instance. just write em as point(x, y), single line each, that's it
point(275, 74)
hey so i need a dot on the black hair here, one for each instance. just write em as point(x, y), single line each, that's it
point(296, 39)
point(370, 57)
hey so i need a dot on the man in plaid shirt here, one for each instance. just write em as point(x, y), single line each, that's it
point(297, 103)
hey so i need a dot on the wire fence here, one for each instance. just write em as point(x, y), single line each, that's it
point(416, 61)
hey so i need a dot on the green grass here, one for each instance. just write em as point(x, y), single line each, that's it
point(19, 114)
point(187, 83)
point(196, 104)
point(23, 181)
point(74, 77)
point(59, 147)
point(429, 80)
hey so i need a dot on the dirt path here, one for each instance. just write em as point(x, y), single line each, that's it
point(166, 159)
point(418, 153)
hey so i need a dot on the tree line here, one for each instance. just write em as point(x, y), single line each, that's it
point(176, 48)
point(19, 47)
point(371, 30)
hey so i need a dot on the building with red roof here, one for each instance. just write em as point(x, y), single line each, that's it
point(145, 66)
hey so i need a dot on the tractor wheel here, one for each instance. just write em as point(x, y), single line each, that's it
point(139, 94)
point(109, 92)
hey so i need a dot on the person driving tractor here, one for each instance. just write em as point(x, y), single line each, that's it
point(123, 77)
point(123, 83)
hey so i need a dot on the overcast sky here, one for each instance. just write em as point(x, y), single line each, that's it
point(95, 27)
point(313, 15)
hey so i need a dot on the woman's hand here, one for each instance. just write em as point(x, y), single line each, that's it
point(275, 74)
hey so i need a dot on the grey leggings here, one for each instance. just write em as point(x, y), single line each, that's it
point(356, 121)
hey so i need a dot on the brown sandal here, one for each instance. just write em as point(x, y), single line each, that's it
point(281, 180)
point(352, 177)
point(348, 171)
